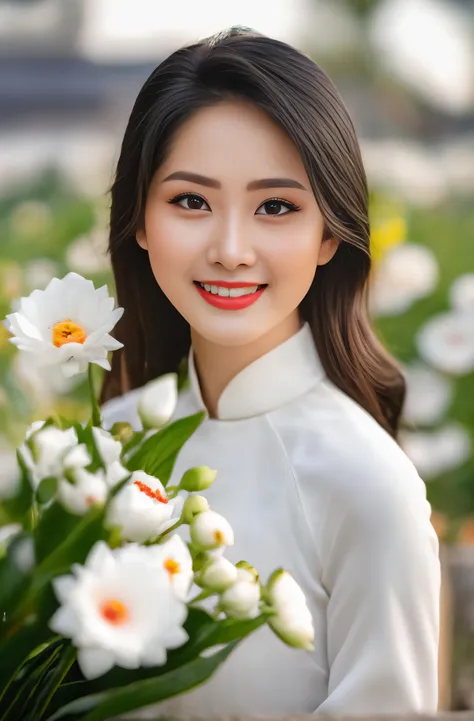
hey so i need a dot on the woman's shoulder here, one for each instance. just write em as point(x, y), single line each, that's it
point(335, 445)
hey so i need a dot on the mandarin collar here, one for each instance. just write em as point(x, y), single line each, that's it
point(287, 371)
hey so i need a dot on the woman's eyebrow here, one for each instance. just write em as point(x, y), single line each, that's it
point(253, 185)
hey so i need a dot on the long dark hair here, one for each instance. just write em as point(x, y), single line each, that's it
point(299, 96)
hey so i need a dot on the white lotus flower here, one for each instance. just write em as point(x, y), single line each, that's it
point(436, 452)
point(56, 452)
point(157, 401)
point(87, 490)
point(462, 293)
point(67, 324)
point(217, 575)
point(142, 509)
point(110, 451)
point(447, 342)
point(292, 621)
point(428, 395)
point(118, 611)
point(210, 530)
point(406, 273)
point(242, 598)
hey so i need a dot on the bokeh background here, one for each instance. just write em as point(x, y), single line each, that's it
point(69, 73)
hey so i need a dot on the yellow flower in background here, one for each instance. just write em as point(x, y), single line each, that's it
point(385, 234)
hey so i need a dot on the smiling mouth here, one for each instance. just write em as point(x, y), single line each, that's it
point(230, 290)
point(229, 296)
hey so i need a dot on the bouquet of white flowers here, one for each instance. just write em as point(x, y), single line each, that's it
point(100, 594)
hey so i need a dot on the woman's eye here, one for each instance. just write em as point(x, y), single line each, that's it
point(190, 202)
point(276, 207)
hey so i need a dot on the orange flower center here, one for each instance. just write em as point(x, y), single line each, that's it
point(155, 495)
point(68, 332)
point(115, 612)
point(172, 566)
point(219, 536)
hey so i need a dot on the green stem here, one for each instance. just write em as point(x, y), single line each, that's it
point(170, 530)
point(95, 420)
point(201, 596)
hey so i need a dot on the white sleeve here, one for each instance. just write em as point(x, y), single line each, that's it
point(122, 409)
point(382, 574)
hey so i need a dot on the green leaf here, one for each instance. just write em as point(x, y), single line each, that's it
point(15, 508)
point(85, 435)
point(158, 453)
point(51, 682)
point(76, 546)
point(204, 633)
point(27, 680)
point(15, 649)
point(106, 705)
point(47, 489)
point(55, 525)
point(14, 580)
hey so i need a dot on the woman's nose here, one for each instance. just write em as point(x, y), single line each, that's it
point(232, 246)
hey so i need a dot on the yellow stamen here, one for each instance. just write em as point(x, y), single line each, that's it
point(115, 612)
point(172, 566)
point(219, 536)
point(68, 332)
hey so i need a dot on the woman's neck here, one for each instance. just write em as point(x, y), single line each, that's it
point(217, 365)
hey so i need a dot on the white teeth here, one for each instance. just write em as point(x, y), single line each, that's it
point(229, 292)
point(237, 292)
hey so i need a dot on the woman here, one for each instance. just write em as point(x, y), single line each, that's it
point(240, 238)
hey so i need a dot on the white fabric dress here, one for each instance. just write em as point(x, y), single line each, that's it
point(311, 482)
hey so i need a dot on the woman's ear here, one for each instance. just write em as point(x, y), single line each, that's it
point(140, 235)
point(327, 250)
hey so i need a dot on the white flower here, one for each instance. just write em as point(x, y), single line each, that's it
point(406, 273)
point(433, 453)
point(157, 401)
point(428, 395)
point(175, 562)
point(217, 575)
point(87, 490)
point(210, 530)
point(242, 598)
point(292, 621)
point(110, 451)
point(67, 324)
point(447, 342)
point(118, 611)
point(462, 293)
point(56, 452)
point(142, 509)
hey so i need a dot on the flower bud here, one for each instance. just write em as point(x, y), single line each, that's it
point(192, 507)
point(210, 530)
point(292, 621)
point(158, 401)
point(217, 575)
point(246, 572)
point(122, 431)
point(241, 600)
point(197, 479)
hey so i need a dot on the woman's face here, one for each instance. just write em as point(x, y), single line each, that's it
point(232, 204)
